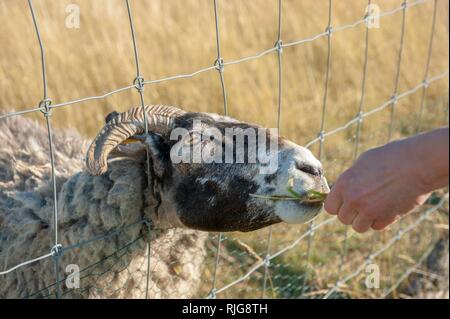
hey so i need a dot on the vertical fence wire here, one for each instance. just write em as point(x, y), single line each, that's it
point(329, 32)
point(45, 106)
point(394, 98)
point(427, 69)
point(363, 88)
point(359, 124)
point(279, 47)
point(139, 85)
point(219, 65)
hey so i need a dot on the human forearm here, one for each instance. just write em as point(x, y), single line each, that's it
point(431, 156)
point(390, 180)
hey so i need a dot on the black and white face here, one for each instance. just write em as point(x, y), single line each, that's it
point(298, 165)
point(217, 195)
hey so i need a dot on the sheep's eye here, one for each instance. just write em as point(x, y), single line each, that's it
point(308, 169)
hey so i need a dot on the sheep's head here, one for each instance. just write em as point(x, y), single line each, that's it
point(214, 171)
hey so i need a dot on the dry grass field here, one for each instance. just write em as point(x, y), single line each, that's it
point(178, 37)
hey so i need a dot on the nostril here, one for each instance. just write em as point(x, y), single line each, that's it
point(308, 169)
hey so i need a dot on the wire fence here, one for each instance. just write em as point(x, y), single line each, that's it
point(219, 252)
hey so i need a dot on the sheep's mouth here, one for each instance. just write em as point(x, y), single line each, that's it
point(311, 204)
point(311, 198)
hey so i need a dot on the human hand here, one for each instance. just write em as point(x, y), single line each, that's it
point(389, 181)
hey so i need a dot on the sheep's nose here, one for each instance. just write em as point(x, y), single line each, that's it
point(325, 187)
point(308, 169)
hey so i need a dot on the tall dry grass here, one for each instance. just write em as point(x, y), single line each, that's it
point(178, 37)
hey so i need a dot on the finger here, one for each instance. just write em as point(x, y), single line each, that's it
point(347, 214)
point(362, 223)
point(380, 224)
point(333, 201)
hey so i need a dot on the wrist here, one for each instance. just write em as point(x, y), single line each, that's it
point(427, 153)
point(411, 164)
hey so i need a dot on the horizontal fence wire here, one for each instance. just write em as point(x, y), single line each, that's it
point(379, 108)
point(408, 272)
point(219, 65)
point(213, 67)
point(388, 245)
point(395, 239)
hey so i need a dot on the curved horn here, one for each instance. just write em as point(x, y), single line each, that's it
point(124, 125)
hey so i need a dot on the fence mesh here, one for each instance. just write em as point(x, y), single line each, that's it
point(270, 266)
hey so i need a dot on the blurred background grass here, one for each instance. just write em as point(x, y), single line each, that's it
point(176, 37)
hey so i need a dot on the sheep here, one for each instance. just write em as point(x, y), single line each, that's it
point(159, 206)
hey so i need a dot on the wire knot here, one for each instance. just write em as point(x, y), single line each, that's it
point(426, 83)
point(367, 17)
point(212, 294)
point(138, 83)
point(321, 136)
point(56, 251)
point(267, 261)
point(360, 116)
point(46, 107)
point(394, 99)
point(329, 31)
point(147, 223)
point(404, 5)
point(219, 65)
point(279, 46)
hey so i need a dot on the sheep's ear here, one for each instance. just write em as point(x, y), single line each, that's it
point(157, 148)
point(135, 148)
point(131, 140)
